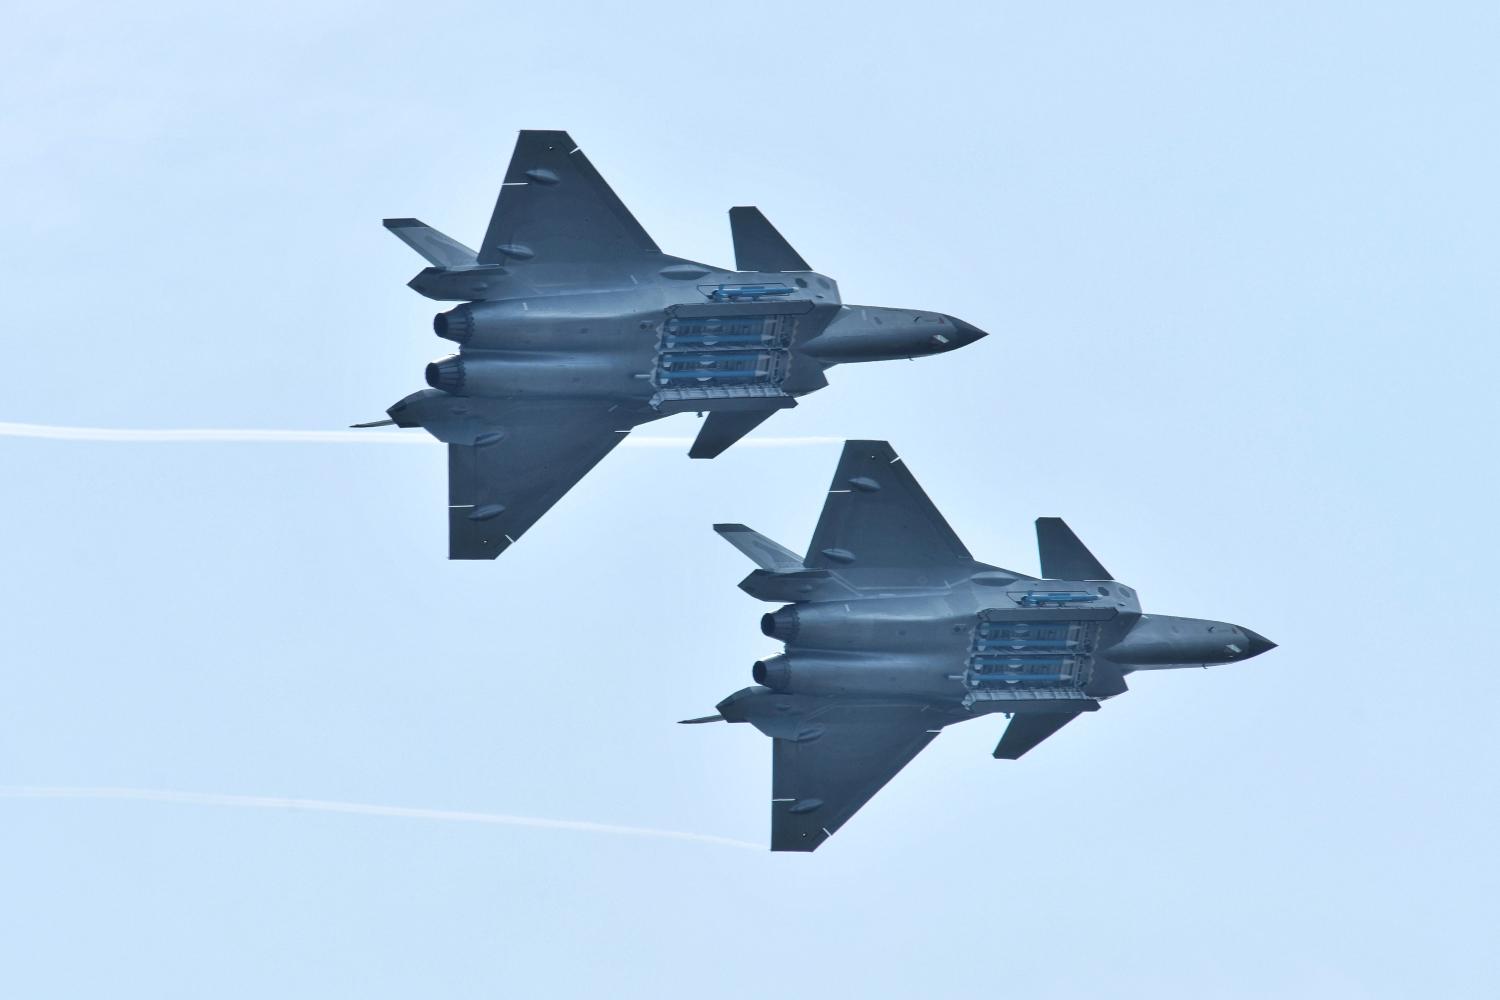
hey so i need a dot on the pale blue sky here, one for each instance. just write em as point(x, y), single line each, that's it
point(1239, 266)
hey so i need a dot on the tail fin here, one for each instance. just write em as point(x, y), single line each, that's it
point(1064, 557)
point(765, 553)
point(757, 244)
point(1026, 730)
point(439, 250)
point(723, 428)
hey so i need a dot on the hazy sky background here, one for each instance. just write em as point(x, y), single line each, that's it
point(1239, 267)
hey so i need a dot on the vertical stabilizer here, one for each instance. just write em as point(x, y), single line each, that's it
point(762, 551)
point(757, 244)
point(723, 428)
point(439, 250)
point(1027, 730)
point(1064, 557)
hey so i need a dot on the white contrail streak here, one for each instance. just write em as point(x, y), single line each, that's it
point(360, 809)
point(49, 432)
point(52, 432)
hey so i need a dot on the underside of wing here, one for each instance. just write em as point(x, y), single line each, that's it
point(877, 517)
point(556, 214)
point(523, 462)
point(838, 760)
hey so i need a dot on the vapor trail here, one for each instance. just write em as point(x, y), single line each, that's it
point(360, 809)
point(52, 432)
point(49, 432)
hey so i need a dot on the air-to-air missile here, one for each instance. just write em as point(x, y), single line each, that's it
point(575, 328)
point(893, 632)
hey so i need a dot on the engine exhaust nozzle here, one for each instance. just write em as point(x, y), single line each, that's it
point(772, 672)
point(456, 324)
point(780, 624)
point(447, 374)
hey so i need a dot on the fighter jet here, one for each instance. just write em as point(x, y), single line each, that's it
point(575, 328)
point(894, 632)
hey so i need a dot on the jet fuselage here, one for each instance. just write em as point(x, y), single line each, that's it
point(893, 632)
point(968, 640)
point(641, 347)
point(573, 328)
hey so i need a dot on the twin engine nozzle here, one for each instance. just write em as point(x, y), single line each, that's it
point(781, 624)
point(447, 374)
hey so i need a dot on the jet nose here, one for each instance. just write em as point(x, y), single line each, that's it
point(1258, 644)
point(965, 333)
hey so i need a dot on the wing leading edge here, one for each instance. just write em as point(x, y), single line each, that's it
point(876, 516)
point(555, 209)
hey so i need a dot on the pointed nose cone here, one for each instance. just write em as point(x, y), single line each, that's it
point(1258, 644)
point(966, 333)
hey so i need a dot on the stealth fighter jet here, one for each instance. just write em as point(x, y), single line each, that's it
point(575, 328)
point(894, 631)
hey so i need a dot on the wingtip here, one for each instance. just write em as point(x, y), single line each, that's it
point(550, 134)
point(871, 449)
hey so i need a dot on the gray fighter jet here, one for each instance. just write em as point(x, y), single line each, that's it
point(575, 328)
point(894, 631)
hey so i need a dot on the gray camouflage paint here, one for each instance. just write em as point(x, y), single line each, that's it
point(575, 328)
point(894, 631)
